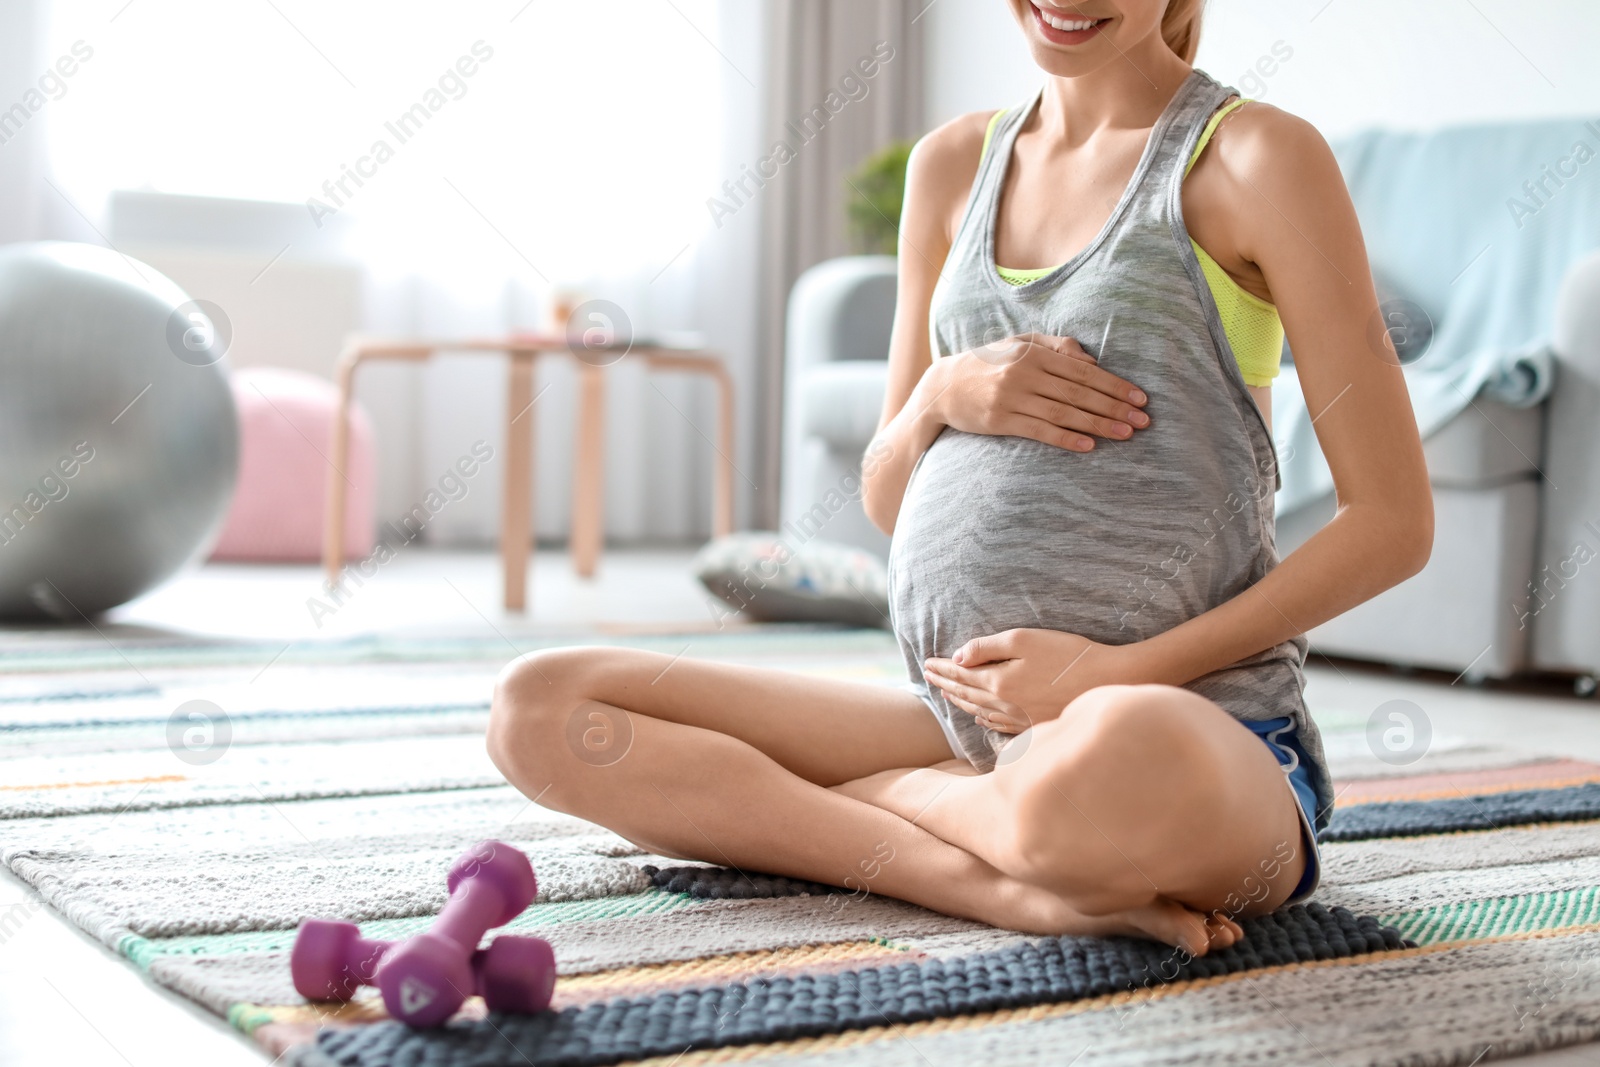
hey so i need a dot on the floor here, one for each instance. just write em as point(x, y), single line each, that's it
point(66, 1000)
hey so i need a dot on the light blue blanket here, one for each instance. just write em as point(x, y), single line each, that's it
point(1477, 225)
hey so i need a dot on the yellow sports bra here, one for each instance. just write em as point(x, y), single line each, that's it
point(1254, 331)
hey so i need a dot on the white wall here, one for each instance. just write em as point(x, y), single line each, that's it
point(1352, 64)
point(975, 61)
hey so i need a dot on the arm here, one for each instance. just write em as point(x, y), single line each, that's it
point(1278, 215)
point(908, 423)
point(1292, 218)
point(1044, 388)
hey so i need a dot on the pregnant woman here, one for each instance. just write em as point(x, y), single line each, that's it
point(1105, 730)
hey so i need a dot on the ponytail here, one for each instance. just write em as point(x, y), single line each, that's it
point(1180, 27)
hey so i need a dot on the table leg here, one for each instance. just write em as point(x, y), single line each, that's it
point(334, 498)
point(516, 517)
point(722, 494)
point(722, 464)
point(588, 474)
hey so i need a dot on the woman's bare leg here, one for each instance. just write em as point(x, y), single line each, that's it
point(731, 765)
point(1135, 793)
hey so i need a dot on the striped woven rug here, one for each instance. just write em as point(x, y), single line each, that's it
point(1459, 919)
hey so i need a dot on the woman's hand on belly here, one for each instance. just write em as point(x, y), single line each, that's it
point(1044, 388)
point(1020, 678)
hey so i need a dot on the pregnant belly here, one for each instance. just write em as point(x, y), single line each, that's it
point(1116, 545)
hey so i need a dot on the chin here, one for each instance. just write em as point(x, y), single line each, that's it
point(1069, 37)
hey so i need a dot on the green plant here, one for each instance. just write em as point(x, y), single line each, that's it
point(875, 193)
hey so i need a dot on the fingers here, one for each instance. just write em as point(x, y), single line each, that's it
point(1054, 392)
point(972, 694)
point(986, 649)
point(991, 712)
point(1080, 408)
point(942, 666)
point(976, 711)
point(1066, 359)
point(1067, 388)
point(988, 718)
point(1087, 397)
point(1037, 429)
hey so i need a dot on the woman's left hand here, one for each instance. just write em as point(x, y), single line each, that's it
point(1020, 678)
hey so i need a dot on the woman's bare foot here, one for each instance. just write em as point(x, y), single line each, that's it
point(1182, 927)
point(1032, 909)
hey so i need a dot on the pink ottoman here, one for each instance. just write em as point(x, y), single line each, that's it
point(285, 419)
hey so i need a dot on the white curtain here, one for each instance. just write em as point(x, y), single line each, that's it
point(476, 159)
point(845, 80)
point(23, 142)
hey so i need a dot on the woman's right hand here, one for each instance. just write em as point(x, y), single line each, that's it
point(1036, 386)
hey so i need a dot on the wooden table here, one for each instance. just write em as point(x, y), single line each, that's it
point(588, 497)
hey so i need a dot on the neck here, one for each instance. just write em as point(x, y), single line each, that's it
point(1130, 91)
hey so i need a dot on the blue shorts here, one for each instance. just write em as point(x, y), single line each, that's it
point(1280, 738)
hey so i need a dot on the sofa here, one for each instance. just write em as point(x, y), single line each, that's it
point(1513, 584)
point(836, 357)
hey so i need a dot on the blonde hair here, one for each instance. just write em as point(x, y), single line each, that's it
point(1180, 27)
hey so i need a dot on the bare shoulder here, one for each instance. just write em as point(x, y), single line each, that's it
point(942, 167)
point(957, 141)
point(1267, 147)
point(1268, 177)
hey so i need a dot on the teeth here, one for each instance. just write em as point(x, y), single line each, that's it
point(1066, 24)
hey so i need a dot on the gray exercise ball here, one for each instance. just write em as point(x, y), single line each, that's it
point(119, 442)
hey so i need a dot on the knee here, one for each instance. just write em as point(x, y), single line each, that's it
point(533, 697)
point(1140, 726)
point(1125, 771)
point(1119, 733)
point(1148, 700)
point(1176, 742)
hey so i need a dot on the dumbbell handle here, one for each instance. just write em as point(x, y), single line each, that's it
point(369, 963)
point(366, 955)
point(469, 913)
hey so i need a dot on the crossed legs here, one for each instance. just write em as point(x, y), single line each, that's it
point(1141, 810)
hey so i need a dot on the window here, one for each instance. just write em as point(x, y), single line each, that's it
point(565, 140)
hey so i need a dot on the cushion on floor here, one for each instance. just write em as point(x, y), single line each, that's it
point(285, 425)
point(779, 576)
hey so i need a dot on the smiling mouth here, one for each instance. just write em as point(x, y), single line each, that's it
point(1071, 29)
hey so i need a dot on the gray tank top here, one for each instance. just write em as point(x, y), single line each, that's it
point(1137, 536)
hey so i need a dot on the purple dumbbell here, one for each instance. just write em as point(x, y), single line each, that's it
point(331, 960)
point(515, 974)
point(426, 978)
